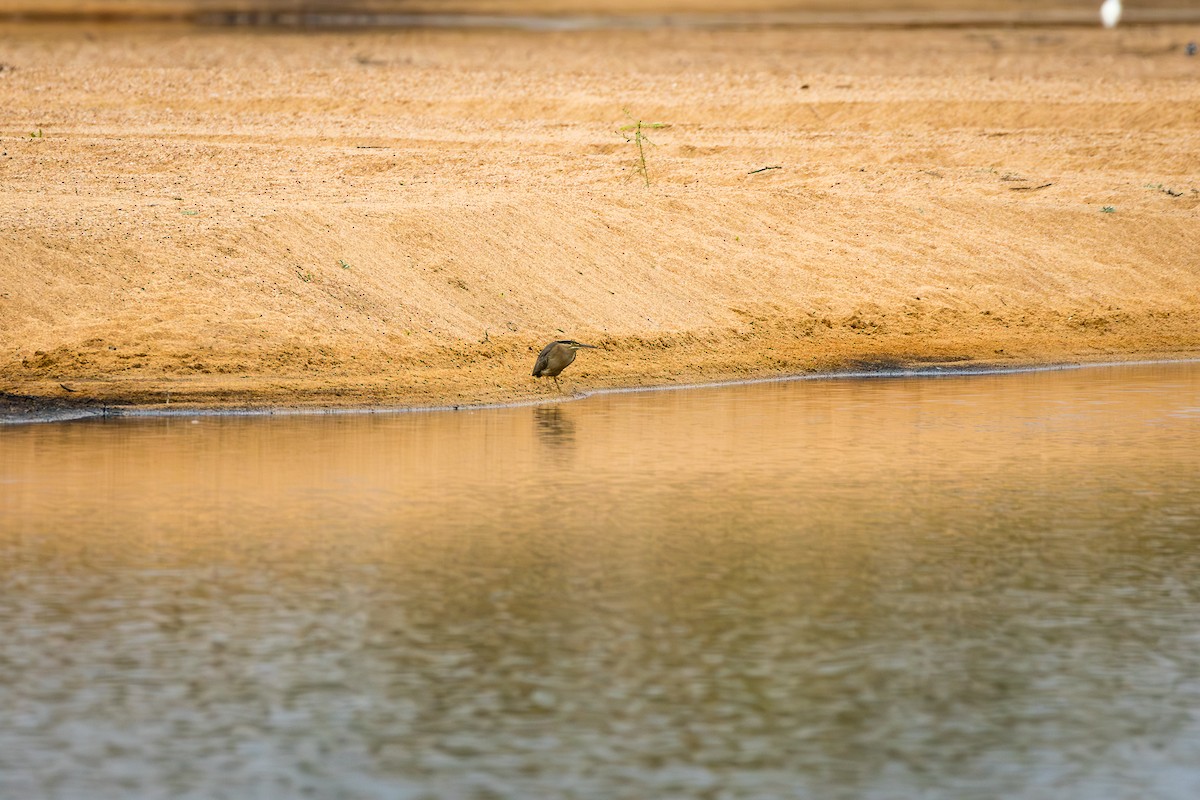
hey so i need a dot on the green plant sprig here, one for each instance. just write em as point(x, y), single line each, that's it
point(640, 140)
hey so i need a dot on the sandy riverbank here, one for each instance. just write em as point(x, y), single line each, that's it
point(405, 218)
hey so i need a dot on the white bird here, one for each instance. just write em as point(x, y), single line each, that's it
point(1110, 13)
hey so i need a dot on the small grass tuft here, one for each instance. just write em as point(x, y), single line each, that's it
point(1108, 210)
point(633, 132)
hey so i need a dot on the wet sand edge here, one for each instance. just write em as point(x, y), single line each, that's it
point(17, 409)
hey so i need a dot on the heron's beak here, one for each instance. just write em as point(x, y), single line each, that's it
point(581, 344)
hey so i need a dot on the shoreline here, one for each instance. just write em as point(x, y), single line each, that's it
point(25, 410)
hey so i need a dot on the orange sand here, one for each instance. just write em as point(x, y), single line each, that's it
point(239, 217)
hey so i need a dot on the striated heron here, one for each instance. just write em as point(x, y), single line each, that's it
point(555, 357)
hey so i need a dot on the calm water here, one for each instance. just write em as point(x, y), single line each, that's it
point(968, 587)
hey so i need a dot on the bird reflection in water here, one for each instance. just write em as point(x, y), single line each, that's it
point(555, 428)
